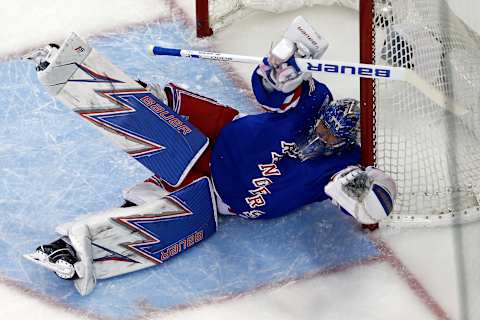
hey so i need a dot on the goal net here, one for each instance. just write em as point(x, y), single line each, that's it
point(432, 150)
point(213, 15)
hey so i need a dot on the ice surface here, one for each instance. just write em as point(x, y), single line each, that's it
point(28, 24)
point(55, 167)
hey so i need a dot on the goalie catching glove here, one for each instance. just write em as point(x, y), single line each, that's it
point(280, 71)
point(367, 195)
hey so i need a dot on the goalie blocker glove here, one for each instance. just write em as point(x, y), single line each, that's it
point(280, 71)
point(367, 195)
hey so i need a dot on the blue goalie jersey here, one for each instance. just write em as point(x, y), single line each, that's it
point(254, 164)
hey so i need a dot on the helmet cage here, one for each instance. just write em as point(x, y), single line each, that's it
point(341, 117)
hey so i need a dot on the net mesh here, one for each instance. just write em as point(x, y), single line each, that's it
point(432, 153)
point(224, 12)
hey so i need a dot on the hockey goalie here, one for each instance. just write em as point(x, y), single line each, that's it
point(207, 158)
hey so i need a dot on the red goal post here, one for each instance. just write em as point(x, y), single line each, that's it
point(367, 86)
point(202, 19)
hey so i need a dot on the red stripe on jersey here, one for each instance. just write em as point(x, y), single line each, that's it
point(296, 95)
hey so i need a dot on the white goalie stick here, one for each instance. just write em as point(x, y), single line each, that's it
point(333, 67)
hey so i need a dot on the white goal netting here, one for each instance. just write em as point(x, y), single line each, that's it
point(433, 153)
point(223, 12)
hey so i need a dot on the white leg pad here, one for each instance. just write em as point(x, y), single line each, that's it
point(124, 240)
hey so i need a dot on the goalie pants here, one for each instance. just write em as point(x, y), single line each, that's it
point(205, 114)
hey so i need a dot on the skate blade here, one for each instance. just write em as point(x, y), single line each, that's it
point(46, 264)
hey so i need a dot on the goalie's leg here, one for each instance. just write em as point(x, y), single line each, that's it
point(132, 117)
point(124, 240)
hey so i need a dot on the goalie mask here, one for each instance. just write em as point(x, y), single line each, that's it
point(335, 129)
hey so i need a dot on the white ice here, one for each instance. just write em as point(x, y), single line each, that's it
point(434, 273)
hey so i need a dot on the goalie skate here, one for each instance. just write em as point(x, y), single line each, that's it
point(58, 257)
point(42, 56)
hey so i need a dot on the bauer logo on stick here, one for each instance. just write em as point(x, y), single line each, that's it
point(349, 69)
